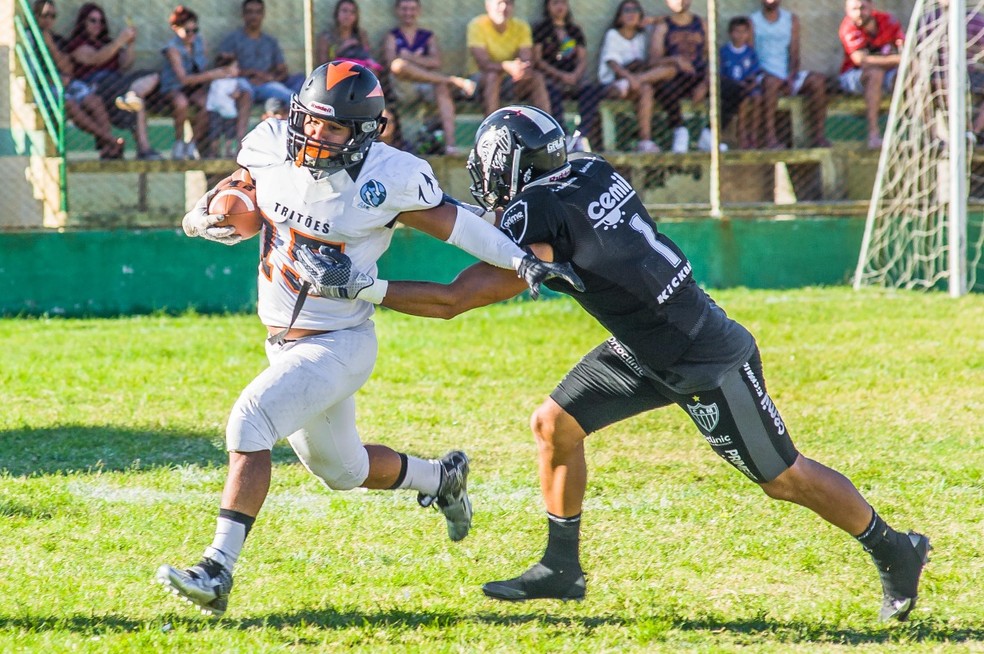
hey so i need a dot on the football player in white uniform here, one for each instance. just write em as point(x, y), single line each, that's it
point(326, 186)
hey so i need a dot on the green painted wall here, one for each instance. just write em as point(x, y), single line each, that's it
point(125, 272)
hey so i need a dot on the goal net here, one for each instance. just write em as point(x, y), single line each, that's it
point(919, 232)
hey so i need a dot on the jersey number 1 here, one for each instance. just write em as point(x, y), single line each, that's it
point(644, 228)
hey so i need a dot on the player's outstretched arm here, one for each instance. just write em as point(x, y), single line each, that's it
point(462, 228)
point(476, 286)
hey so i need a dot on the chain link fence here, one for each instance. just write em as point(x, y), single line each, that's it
point(649, 113)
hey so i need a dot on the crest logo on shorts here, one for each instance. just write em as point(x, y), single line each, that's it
point(373, 193)
point(705, 415)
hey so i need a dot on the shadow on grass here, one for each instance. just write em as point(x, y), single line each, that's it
point(87, 448)
point(928, 630)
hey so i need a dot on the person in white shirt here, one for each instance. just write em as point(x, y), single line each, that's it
point(625, 72)
point(329, 190)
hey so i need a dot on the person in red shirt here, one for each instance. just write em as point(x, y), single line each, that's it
point(871, 41)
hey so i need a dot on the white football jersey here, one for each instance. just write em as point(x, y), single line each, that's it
point(356, 217)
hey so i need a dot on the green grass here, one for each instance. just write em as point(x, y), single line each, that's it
point(111, 447)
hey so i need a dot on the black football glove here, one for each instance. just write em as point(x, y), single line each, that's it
point(330, 273)
point(534, 272)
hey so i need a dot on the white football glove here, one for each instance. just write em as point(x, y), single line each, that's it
point(330, 274)
point(199, 222)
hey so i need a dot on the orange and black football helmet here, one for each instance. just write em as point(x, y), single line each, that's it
point(343, 92)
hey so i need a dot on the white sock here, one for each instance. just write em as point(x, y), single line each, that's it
point(229, 538)
point(423, 475)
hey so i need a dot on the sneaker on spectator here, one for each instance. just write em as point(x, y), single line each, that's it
point(130, 102)
point(622, 85)
point(704, 142)
point(681, 140)
point(647, 146)
point(149, 155)
point(178, 151)
point(191, 151)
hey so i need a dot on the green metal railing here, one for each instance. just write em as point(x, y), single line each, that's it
point(45, 83)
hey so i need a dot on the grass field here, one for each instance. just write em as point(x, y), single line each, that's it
point(112, 464)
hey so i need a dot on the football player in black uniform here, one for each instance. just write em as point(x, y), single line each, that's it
point(670, 344)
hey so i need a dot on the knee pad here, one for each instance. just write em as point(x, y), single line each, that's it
point(248, 429)
point(342, 478)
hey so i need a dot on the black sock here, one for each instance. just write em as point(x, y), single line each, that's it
point(880, 540)
point(563, 540)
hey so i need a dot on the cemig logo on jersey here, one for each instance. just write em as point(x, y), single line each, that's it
point(705, 415)
point(514, 221)
point(373, 193)
point(323, 109)
point(607, 209)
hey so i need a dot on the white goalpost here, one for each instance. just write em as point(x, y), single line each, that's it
point(918, 232)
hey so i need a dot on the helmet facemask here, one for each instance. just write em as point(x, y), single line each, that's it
point(515, 147)
point(345, 93)
point(322, 157)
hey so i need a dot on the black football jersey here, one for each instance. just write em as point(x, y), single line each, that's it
point(638, 283)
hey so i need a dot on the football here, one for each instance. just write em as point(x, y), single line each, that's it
point(236, 200)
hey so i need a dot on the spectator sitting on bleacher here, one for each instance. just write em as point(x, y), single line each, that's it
point(82, 106)
point(560, 52)
point(100, 62)
point(777, 41)
point(228, 104)
point(680, 40)
point(740, 62)
point(501, 47)
point(345, 39)
point(392, 133)
point(624, 73)
point(934, 25)
point(871, 41)
point(185, 79)
point(260, 58)
point(414, 59)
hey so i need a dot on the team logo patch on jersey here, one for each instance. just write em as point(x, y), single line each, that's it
point(705, 415)
point(606, 211)
point(514, 221)
point(373, 193)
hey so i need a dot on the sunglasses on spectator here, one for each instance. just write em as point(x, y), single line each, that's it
point(191, 30)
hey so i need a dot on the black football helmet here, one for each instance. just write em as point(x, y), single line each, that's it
point(514, 147)
point(343, 92)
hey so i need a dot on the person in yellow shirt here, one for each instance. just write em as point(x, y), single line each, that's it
point(501, 47)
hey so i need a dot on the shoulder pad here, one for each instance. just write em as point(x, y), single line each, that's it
point(265, 145)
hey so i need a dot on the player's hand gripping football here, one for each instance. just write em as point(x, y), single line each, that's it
point(330, 273)
point(534, 272)
point(199, 222)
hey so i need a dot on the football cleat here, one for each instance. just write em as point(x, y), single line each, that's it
point(206, 585)
point(452, 495)
point(539, 582)
point(900, 578)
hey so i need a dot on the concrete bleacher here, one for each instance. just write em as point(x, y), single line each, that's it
point(812, 174)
